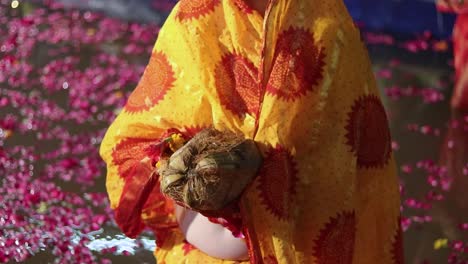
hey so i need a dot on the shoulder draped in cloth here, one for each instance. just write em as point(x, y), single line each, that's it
point(299, 82)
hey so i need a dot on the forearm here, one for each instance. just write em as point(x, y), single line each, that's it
point(212, 239)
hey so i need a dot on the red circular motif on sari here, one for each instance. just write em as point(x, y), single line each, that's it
point(270, 260)
point(397, 247)
point(298, 64)
point(243, 6)
point(129, 151)
point(194, 9)
point(368, 134)
point(237, 86)
point(157, 79)
point(277, 180)
point(335, 243)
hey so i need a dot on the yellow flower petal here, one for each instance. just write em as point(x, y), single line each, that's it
point(440, 243)
point(176, 142)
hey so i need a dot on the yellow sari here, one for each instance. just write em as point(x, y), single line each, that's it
point(299, 83)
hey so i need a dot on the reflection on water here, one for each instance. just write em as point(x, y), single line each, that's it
point(119, 244)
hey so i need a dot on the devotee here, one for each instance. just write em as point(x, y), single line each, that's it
point(294, 77)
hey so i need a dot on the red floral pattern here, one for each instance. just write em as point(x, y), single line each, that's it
point(298, 64)
point(194, 9)
point(129, 152)
point(368, 134)
point(335, 244)
point(277, 181)
point(157, 79)
point(237, 85)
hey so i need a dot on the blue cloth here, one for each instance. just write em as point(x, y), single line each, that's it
point(401, 16)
